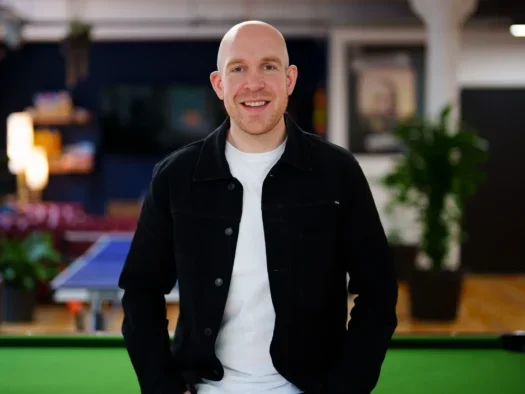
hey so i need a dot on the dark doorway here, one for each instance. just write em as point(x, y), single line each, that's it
point(495, 217)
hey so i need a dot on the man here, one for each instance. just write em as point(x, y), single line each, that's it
point(260, 224)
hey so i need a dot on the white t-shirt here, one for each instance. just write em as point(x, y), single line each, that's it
point(243, 343)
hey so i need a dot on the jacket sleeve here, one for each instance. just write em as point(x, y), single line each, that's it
point(148, 274)
point(373, 319)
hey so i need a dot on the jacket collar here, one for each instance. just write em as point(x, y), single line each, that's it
point(212, 163)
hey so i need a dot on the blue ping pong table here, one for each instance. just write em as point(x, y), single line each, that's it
point(93, 277)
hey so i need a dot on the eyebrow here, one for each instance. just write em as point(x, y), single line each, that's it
point(273, 59)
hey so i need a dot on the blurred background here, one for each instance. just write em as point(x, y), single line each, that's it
point(93, 93)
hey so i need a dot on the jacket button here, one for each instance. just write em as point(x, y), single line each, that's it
point(228, 231)
point(231, 186)
point(207, 332)
point(218, 282)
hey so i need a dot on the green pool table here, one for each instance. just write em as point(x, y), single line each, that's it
point(414, 365)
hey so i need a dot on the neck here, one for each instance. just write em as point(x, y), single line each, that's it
point(260, 143)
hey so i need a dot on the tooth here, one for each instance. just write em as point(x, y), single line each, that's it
point(255, 103)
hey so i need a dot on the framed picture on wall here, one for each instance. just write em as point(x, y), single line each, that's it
point(385, 93)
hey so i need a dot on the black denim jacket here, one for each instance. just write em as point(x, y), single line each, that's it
point(320, 224)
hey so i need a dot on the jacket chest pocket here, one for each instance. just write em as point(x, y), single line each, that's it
point(203, 243)
point(312, 234)
point(314, 221)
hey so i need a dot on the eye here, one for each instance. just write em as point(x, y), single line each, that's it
point(236, 69)
point(270, 67)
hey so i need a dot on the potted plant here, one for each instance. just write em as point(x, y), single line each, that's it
point(437, 172)
point(25, 262)
point(76, 46)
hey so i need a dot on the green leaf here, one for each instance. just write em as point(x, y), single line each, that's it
point(437, 162)
point(26, 261)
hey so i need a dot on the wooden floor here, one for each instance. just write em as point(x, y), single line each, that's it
point(490, 304)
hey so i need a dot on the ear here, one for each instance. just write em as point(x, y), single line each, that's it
point(216, 83)
point(291, 78)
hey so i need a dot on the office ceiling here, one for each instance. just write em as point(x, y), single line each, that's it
point(486, 8)
point(47, 19)
point(337, 11)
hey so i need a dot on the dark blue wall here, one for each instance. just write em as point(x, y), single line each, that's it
point(40, 67)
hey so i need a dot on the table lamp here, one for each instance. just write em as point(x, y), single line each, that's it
point(37, 172)
point(20, 142)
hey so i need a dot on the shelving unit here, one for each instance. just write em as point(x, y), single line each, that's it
point(63, 162)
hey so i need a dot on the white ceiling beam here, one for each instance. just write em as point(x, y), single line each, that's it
point(139, 19)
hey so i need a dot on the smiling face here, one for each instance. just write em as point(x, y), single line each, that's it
point(254, 78)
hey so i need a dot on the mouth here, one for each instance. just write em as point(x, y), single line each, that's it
point(255, 106)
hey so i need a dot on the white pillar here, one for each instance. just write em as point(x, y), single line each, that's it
point(444, 20)
point(338, 91)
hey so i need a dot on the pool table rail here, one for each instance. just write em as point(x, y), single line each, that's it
point(512, 341)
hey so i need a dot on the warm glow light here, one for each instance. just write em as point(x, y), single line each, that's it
point(16, 166)
point(37, 169)
point(20, 138)
point(517, 30)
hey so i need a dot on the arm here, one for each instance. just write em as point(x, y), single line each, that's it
point(373, 320)
point(148, 274)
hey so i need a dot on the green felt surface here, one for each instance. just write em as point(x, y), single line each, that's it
point(77, 365)
point(452, 371)
point(66, 371)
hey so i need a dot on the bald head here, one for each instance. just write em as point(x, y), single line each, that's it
point(245, 32)
point(254, 77)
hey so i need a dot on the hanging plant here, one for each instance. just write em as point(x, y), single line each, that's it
point(76, 47)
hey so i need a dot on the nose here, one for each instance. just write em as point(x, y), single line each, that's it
point(254, 81)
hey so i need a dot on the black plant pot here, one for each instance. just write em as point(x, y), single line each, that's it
point(435, 296)
point(18, 305)
point(404, 257)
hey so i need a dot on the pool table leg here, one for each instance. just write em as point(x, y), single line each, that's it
point(97, 316)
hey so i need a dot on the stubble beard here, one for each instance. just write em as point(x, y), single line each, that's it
point(265, 125)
